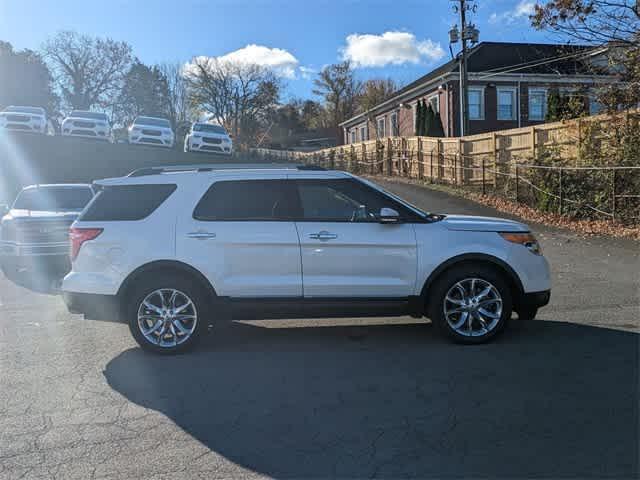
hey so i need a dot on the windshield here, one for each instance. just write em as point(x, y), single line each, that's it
point(33, 110)
point(90, 115)
point(207, 127)
point(155, 122)
point(53, 198)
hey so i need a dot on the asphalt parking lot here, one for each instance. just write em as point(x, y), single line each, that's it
point(387, 398)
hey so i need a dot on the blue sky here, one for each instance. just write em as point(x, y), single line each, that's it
point(399, 39)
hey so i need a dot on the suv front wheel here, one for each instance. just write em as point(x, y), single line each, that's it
point(166, 314)
point(471, 303)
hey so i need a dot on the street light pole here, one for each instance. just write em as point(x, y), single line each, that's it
point(467, 32)
point(464, 96)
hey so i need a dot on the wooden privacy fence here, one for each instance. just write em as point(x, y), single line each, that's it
point(502, 162)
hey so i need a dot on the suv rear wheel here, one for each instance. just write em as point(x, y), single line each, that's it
point(167, 313)
point(471, 303)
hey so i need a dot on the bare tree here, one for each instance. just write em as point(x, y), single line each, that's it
point(240, 96)
point(611, 23)
point(591, 21)
point(374, 92)
point(89, 71)
point(340, 89)
point(178, 108)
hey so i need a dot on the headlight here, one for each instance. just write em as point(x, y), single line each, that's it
point(526, 239)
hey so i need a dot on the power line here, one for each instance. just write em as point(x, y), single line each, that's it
point(512, 69)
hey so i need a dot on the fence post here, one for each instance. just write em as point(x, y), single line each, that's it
point(461, 162)
point(613, 194)
point(483, 185)
point(420, 160)
point(389, 159)
point(517, 192)
point(495, 159)
point(561, 199)
point(431, 166)
point(533, 142)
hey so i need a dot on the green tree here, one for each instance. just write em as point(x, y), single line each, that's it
point(145, 91)
point(25, 79)
point(420, 118)
point(435, 129)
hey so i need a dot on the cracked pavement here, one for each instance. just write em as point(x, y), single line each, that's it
point(350, 398)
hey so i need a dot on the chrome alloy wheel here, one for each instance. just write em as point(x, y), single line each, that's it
point(167, 317)
point(473, 307)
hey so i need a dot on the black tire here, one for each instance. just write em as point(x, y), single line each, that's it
point(192, 289)
point(527, 313)
point(457, 274)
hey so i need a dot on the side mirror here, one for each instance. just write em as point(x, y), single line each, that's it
point(4, 209)
point(388, 215)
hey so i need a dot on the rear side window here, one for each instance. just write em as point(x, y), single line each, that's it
point(126, 202)
point(246, 200)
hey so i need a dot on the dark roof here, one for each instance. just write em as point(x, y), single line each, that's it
point(493, 57)
point(499, 55)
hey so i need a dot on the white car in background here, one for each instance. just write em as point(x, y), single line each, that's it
point(26, 119)
point(208, 137)
point(152, 131)
point(82, 123)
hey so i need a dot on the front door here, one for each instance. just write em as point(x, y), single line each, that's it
point(346, 251)
point(242, 238)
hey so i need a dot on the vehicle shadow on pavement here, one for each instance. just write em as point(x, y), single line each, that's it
point(547, 399)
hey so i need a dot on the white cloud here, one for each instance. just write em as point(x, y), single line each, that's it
point(282, 62)
point(307, 72)
point(390, 48)
point(522, 10)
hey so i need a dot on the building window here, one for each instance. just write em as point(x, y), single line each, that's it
point(475, 98)
point(507, 104)
point(381, 130)
point(595, 106)
point(363, 134)
point(434, 100)
point(394, 124)
point(537, 103)
point(353, 136)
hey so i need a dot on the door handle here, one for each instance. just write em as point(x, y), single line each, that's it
point(324, 235)
point(201, 235)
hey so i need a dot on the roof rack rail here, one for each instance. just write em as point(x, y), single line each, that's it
point(142, 172)
point(313, 168)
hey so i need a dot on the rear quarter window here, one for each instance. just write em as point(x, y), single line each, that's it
point(126, 202)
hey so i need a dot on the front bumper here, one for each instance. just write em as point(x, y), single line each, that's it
point(86, 133)
point(533, 300)
point(197, 145)
point(15, 249)
point(23, 127)
point(92, 306)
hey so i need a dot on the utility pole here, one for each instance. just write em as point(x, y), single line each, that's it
point(467, 32)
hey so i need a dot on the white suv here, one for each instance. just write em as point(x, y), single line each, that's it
point(171, 250)
point(26, 119)
point(208, 137)
point(151, 131)
point(81, 123)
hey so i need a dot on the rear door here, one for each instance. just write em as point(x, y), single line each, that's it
point(346, 251)
point(242, 237)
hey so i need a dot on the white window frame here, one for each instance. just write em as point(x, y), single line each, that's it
point(437, 97)
point(363, 133)
point(384, 127)
point(394, 125)
point(544, 105)
point(515, 100)
point(481, 91)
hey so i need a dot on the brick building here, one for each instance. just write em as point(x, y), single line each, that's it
point(508, 85)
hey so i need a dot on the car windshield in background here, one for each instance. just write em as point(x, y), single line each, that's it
point(53, 199)
point(90, 115)
point(32, 110)
point(206, 127)
point(154, 122)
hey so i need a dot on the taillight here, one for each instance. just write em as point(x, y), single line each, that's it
point(78, 236)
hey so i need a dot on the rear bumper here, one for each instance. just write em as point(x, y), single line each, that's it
point(93, 306)
point(533, 300)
